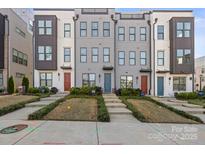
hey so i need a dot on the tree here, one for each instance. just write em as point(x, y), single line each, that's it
point(25, 83)
point(10, 85)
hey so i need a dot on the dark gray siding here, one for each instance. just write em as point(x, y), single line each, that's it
point(2, 31)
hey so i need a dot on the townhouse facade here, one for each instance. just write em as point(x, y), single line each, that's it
point(200, 73)
point(16, 48)
point(151, 50)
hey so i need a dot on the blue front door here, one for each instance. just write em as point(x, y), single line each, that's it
point(160, 86)
point(107, 82)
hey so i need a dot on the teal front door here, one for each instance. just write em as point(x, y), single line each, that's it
point(107, 82)
point(160, 86)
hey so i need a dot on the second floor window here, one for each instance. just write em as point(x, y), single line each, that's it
point(83, 55)
point(67, 55)
point(183, 29)
point(44, 27)
point(106, 29)
point(19, 57)
point(83, 29)
point(121, 58)
point(143, 33)
point(121, 33)
point(44, 53)
point(106, 55)
point(160, 32)
point(94, 29)
point(183, 56)
point(160, 58)
point(143, 59)
point(1, 79)
point(132, 33)
point(67, 30)
point(94, 55)
point(132, 57)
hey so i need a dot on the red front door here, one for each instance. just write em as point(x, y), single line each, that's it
point(67, 81)
point(144, 84)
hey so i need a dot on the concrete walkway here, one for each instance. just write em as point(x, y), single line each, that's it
point(117, 110)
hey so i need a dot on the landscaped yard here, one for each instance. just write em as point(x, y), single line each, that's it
point(84, 109)
point(8, 100)
point(200, 102)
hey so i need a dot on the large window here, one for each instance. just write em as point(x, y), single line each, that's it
point(160, 32)
point(83, 55)
point(1, 78)
point(121, 33)
point(89, 79)
point(20, 32)
point(106, 55)
point(179, 83)
point(46, 79)
point(143, 33)
point(83, 29)
point(160, 58)
point(20, 57)
point(44, 53)
point(94, 29)
point(183, 29)
point(95, 55)
point(106, 29)
point(44, 27)
point(183, 56)
point(67, 30)
point(121, 58)
point(126, 81)
point(67, 55)
point(132, 57)
point(132, 33)
point(143, 59)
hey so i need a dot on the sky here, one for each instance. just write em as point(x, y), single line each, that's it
point(199, 15)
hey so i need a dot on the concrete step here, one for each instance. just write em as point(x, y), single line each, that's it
point(191, 105)
point(49, 99)
point(191, 110)
point(119, 111)
point(110, 97)
point(112, 101)
point(39, 104)
point(115, 105)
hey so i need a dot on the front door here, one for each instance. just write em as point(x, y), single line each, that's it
point(107, 82)
point(144, 84)
point(67, 81)
point(160, 86)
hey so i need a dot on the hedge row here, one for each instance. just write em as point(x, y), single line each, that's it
point(186, 95)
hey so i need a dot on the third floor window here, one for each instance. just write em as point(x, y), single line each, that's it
point(106, 29)
point(83, 29)
point(132, 33)
point(44, 53)
point(44, 27)
point(183, 29)
point(160, 32)
point(67, 30)
point(183, 56)
point(121, 33)
point(94, 29)
point(142, 33)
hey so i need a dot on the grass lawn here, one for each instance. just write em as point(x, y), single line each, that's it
point(200, 102)
point(84, 109)
point(8, 100)
point(152, 112)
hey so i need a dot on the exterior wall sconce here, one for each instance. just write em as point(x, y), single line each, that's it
point(190, 78)
point(58, 76)
point(99, 77)
point(170, 80)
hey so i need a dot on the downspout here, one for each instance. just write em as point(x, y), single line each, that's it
point(8, 48)
point(155, 21)
point(34, 53)
point(115, 22)
point(75, 18)
point(150, 53)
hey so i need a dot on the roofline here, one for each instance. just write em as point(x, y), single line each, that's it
point(53, 9)
point(172, 10)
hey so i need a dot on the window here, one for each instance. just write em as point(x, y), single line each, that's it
point(94, 55)
point(106, 29)
point(203, 70)
point(179, 83)
point(106, 55)
point(183, 56)
point(142, 33)
point(183, 29)
point(89, 79)
point(121, 33)
point(121, 58)
point(19, 75)
point(20, 32)
point(1, 78)
point(126, 81)
point(44, 27)
point(160, 32)
point(132, 32)
point(19, 57)
point(94, 29)
point(44, 53)
point(67, 55)
point(83, 29)
point(160, 58)
point(46, 79)
point(143, 60)
point(83, 55)
point(67, 30)
point(132, 57)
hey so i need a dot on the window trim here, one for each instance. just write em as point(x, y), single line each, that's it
point(121, 58)
point(119, 34)
point(183, 30)
point(20, 32)
point(160, 33)
point(105, 29)
point(44, 53)
point(160, 58)
point(183, 56)
point(83, 55)
point(68, 55)
point(132, 58)
point(143, 34)
point(95, 55)
point(65, 31)
point(94, 29)
point(85, 29)
point(95, 81)
point(106, 55)
point(46, 80)
point(178, 85)
point(126, 81)
point(132, 34)
point(24, 61)
point(45, 27)
point(143, 58)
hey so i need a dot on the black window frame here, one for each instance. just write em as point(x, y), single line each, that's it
point(46, 79)
point(95, 55)
point(143, 34)
point(106, 55)
point(183, 30)
point(130, 58)
point(126, 81)
point(132, 34)
point(81, 55)
point(45, 27)
point(1, 78)
point(121, 34)
point(184, 57)
point(106, 29)
point(120, 58)
point(93, 29)
point(89, 83)
point(45, 53)
point(160, 58)
point(179, 86)
point(66, 54)
point(83, 29)
point(19, 59)
point(67, 31)
point(143, 58)
point(160, 34)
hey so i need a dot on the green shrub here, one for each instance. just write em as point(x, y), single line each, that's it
point(85, 90)
point(10, 85)
point(75, 91)
point(186, 95)
point(44, 89)
point(54, 90)
point(129, 92)
point(103, 114)
point(33, 90)
point(2, 90)
point(25, 83)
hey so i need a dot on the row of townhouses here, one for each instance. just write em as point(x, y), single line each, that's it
point(151, 50)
